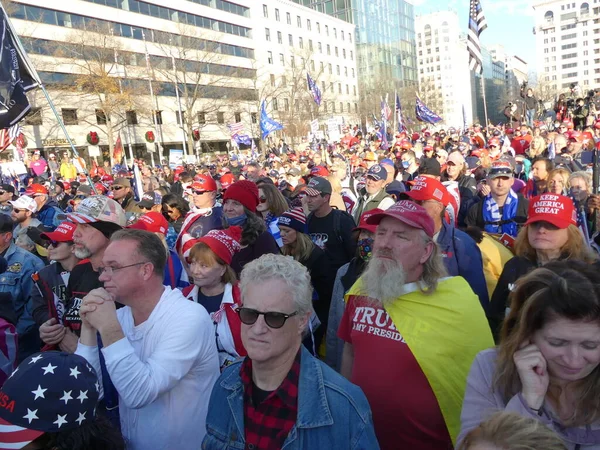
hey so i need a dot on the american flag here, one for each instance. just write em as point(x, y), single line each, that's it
point(235, 128)
point(8, 135)
point(477, 24)
point(386, 112)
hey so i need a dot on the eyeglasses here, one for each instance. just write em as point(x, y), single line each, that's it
point(263, 199)
point(117, 188)
point(109, 270)
point(274, 320)
point(199, 192)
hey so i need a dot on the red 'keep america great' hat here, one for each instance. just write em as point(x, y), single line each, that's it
point(552, 208)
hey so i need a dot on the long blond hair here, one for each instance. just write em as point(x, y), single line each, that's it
point(301, 249)
point(568, 289)
point(574, 248)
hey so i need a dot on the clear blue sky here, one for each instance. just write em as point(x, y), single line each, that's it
point(510, 23)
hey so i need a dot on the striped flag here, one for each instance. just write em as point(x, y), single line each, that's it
point(386, 112)
point(401, 126)
point(235, 128)
point(8, 135)
point(477, 24)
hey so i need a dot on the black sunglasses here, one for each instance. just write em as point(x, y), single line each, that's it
point(199, 192)
point(117, 188)
point(274, 320)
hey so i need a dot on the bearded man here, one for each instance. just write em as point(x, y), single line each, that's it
point(410, 334)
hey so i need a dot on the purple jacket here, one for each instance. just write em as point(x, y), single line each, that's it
point(481, 401)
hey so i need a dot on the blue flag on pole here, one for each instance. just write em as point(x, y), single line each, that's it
point(386, 113)
point(314, 89)
point(424, 114)
point(267, 125)
point(242, 139)
point(401, 126)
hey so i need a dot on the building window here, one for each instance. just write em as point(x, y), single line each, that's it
point(350, 37)
point(202, 118)
point(220, 117)
point(337, 54)
point(308, 26)
point(286, 104)
point(100, 117)
point(281, 59)
point(298, 22)
point(320, 47)
point(328, 50)
point(293, 61)
point(318, 27)
point(253, 117)
point(158, 117)
point(275, 105)
point(180, 119)
point(69, 116)
point(327, 30)
point(330, 69)
point(300, 42)
point(270, 57)
point(341, 107)
point(283, 80)
point(265, 12)
point(290, 40)
point(238, 117)
point(279, 38)
point(277, 14)
point(35, 117)
point(288, 18)
point(312, 65)
point(344, 53)
point(131, 118)
point(310, 45)
point(268, 35)
point(335, 33)
point(272, 80)
point(342, 32)
point(339, 88)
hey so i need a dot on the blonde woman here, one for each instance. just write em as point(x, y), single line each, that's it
point(558, 181)
point(537, 147)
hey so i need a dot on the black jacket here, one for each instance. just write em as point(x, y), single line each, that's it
point(322, 275)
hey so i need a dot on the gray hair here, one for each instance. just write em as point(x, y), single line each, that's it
point(149, 246)
point(585, 176)
point(433, 269)
point(286, 269)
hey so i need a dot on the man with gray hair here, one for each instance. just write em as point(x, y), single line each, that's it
point(159, 349)
point(280, 395)
point(421, 330)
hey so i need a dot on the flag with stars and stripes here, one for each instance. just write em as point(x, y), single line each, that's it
point(49, 392)
point(477, 24)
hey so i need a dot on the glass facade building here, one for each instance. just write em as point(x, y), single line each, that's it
point(385, 39)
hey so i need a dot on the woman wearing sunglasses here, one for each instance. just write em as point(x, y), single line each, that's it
point(215, 288)
point(239, 208)
point(272, 204)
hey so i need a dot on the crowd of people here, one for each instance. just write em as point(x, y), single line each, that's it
point(426, 290)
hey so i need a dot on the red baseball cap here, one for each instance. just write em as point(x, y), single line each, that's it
point(36, 189)
point(227, 180)
point(153, 222)
point(408, 212)
point(319, 171)
point(63, 233)
point(427, 188)
point(552, 208)
point(363, 225)
point(204, 183)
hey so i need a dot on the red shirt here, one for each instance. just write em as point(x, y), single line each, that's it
point(267, 425)
point(520, 144)
point(406, 413)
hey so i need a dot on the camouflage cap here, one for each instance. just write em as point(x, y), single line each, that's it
point(98, 208)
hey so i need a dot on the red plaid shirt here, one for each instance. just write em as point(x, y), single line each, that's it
point(268, 424)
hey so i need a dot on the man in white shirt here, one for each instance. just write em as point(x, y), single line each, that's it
point(159, 349)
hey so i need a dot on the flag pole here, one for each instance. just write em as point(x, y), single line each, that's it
point(38, 80)
point(484, 101)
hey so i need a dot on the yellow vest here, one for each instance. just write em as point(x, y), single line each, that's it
point(444, 331)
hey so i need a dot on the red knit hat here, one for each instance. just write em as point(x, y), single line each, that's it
point(245, 192)
point(224, 243)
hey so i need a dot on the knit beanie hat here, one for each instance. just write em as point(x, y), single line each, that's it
point(224, 243)
point(295, 219)
point(245, 192)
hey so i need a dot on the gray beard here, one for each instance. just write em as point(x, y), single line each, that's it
point(82, 253)
point(383, 280)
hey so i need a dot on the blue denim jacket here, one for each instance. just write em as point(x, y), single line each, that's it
point(17, 280)
point(332, 412)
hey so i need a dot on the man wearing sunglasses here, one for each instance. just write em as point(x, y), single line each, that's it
point(123, 194)
point(22, 214)
point(280, 395)
point(48, 211)
point(7, 193)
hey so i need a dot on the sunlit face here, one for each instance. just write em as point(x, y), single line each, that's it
point(571, 348)
point(545, 236)
point(539, 171)
point(127, 268)
point(263, 204)
point(288, 235)
point(263, 343)
point(500, 185)
point(372, 186)
point(205, 275)
point(557, 184)
point(232, 208)
point(60, 252)
point(88, 241)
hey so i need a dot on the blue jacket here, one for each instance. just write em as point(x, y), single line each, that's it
point(462, 257)
point(49, 215)
point(332, 412)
